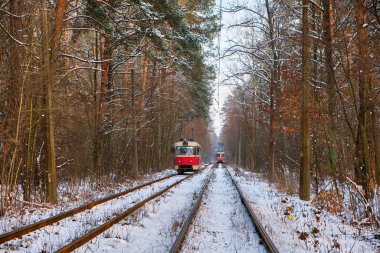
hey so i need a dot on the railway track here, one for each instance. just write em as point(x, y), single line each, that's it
point(181, 237)
point(18, 233)
point(97, 231)
point(176, 247)
point(259, 227)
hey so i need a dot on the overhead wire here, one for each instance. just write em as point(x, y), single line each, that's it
point(219, 42)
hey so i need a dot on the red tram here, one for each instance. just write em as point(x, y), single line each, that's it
point(187, 156)
point(220, 156)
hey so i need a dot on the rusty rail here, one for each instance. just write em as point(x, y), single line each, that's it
point(43, 223)
point(97, 231)
point(182, 234)
point(260, 228)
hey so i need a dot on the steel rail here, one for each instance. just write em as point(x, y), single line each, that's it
point(182, 234)
point(46, 222)
point(260, 228)
point(97, 231)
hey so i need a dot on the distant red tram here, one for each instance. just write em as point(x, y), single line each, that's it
point(220, 156)
point(187, 156)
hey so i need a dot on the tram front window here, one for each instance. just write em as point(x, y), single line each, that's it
point(185, 151)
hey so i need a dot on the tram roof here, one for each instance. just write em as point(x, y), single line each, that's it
point(189, 144)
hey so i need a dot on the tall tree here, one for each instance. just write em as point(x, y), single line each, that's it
point(328, 30)
point(135, 158)
point(102, 15)
point(363, 164)
point(304, 190)
point(49, 60)
point(51, 166)
point(274, 86)
point(10, 146)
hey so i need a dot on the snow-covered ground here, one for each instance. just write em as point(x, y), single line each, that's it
point(71, 195)
point(297, 226)
point(221, 225)
point(155, 227)
point(53, 237)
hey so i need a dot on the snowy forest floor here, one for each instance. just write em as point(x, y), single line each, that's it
point(220, 226)
point(300, 226)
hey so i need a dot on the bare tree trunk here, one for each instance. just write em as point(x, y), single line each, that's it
point(7, 140)
point(376, 170)
point(375, 128)
point(29, 155)
point(105, 57)
point(126, 87)
point(271, 132)
point(273, 95)
point(144, 79)
point(315, 170)
point(58, 27)
point(253, 133)
point(239, 147)
point(328, 23)
point(159, 122)
point(51, 166)
point(49, 59)
point(135, 161)
point(304, 191)
point(363, 164)
point(96, 139)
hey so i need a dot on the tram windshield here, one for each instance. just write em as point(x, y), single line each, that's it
point(220, 155)
point(187, 151)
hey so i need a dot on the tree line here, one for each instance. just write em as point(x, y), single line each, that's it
point(96, 90)
point(307, 80)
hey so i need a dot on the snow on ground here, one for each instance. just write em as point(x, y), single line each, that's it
point(50, 238)
point(155, 227)
point(295, 225)
point(222, 224)
point(71, 195)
